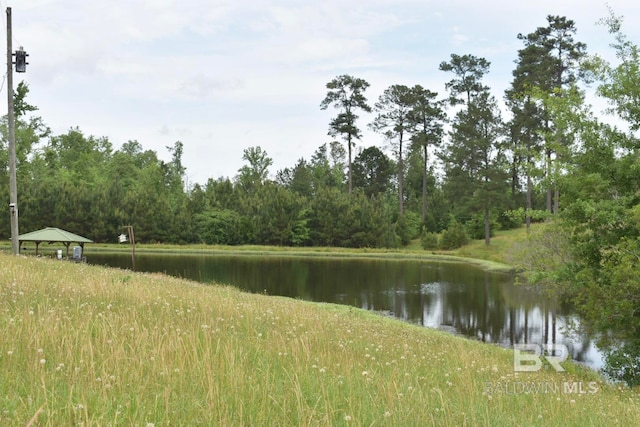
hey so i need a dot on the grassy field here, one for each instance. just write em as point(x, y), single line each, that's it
point(86, 345)
point(496, 252)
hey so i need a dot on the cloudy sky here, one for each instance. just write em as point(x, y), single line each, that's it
point(225, 75)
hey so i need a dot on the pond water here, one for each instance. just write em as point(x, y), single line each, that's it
point(457, 297)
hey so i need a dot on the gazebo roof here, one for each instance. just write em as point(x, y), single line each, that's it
point(51, 234)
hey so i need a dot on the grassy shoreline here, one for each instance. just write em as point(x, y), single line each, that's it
point(97, 346)
point(491, 258)
point(307, 252)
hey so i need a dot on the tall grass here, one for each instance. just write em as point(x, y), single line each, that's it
point(85, 345)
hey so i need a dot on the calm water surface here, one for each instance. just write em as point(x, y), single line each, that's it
point(453, 296)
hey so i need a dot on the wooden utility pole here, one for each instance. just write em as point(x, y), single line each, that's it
point(132, 240)
point(13, 186)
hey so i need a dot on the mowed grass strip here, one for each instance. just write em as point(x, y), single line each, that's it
point(86, 345)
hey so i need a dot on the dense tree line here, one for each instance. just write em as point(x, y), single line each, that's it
point(463, 166)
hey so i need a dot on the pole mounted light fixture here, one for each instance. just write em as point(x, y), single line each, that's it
point(21, 60)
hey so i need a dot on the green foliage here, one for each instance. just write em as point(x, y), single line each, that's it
point(299, 179)
point(427, 118)
point(327, 167)
point(414, 224)
point(274, 215)
point(402, 230)
point(514, 218)
point(467, 83)
point(339, 219)
point(454, 236)
point(300, 232)
point(372, 171)
point(542, 256)
point(590, 256)
point(509, 222)
point(429, 240)
point(254, 174)
point(218, 227)
point(394, 121)
point(474, 159)
point(622, 363)
point(346, 93)
point(475, 227)
point(619, 83)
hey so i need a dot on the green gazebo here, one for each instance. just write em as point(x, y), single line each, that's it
point(53, 235)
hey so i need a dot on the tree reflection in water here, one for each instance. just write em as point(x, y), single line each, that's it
point(452, 296)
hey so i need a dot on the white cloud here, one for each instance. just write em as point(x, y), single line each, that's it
point(458, 37)
point(201, 86)
point(223, 75)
